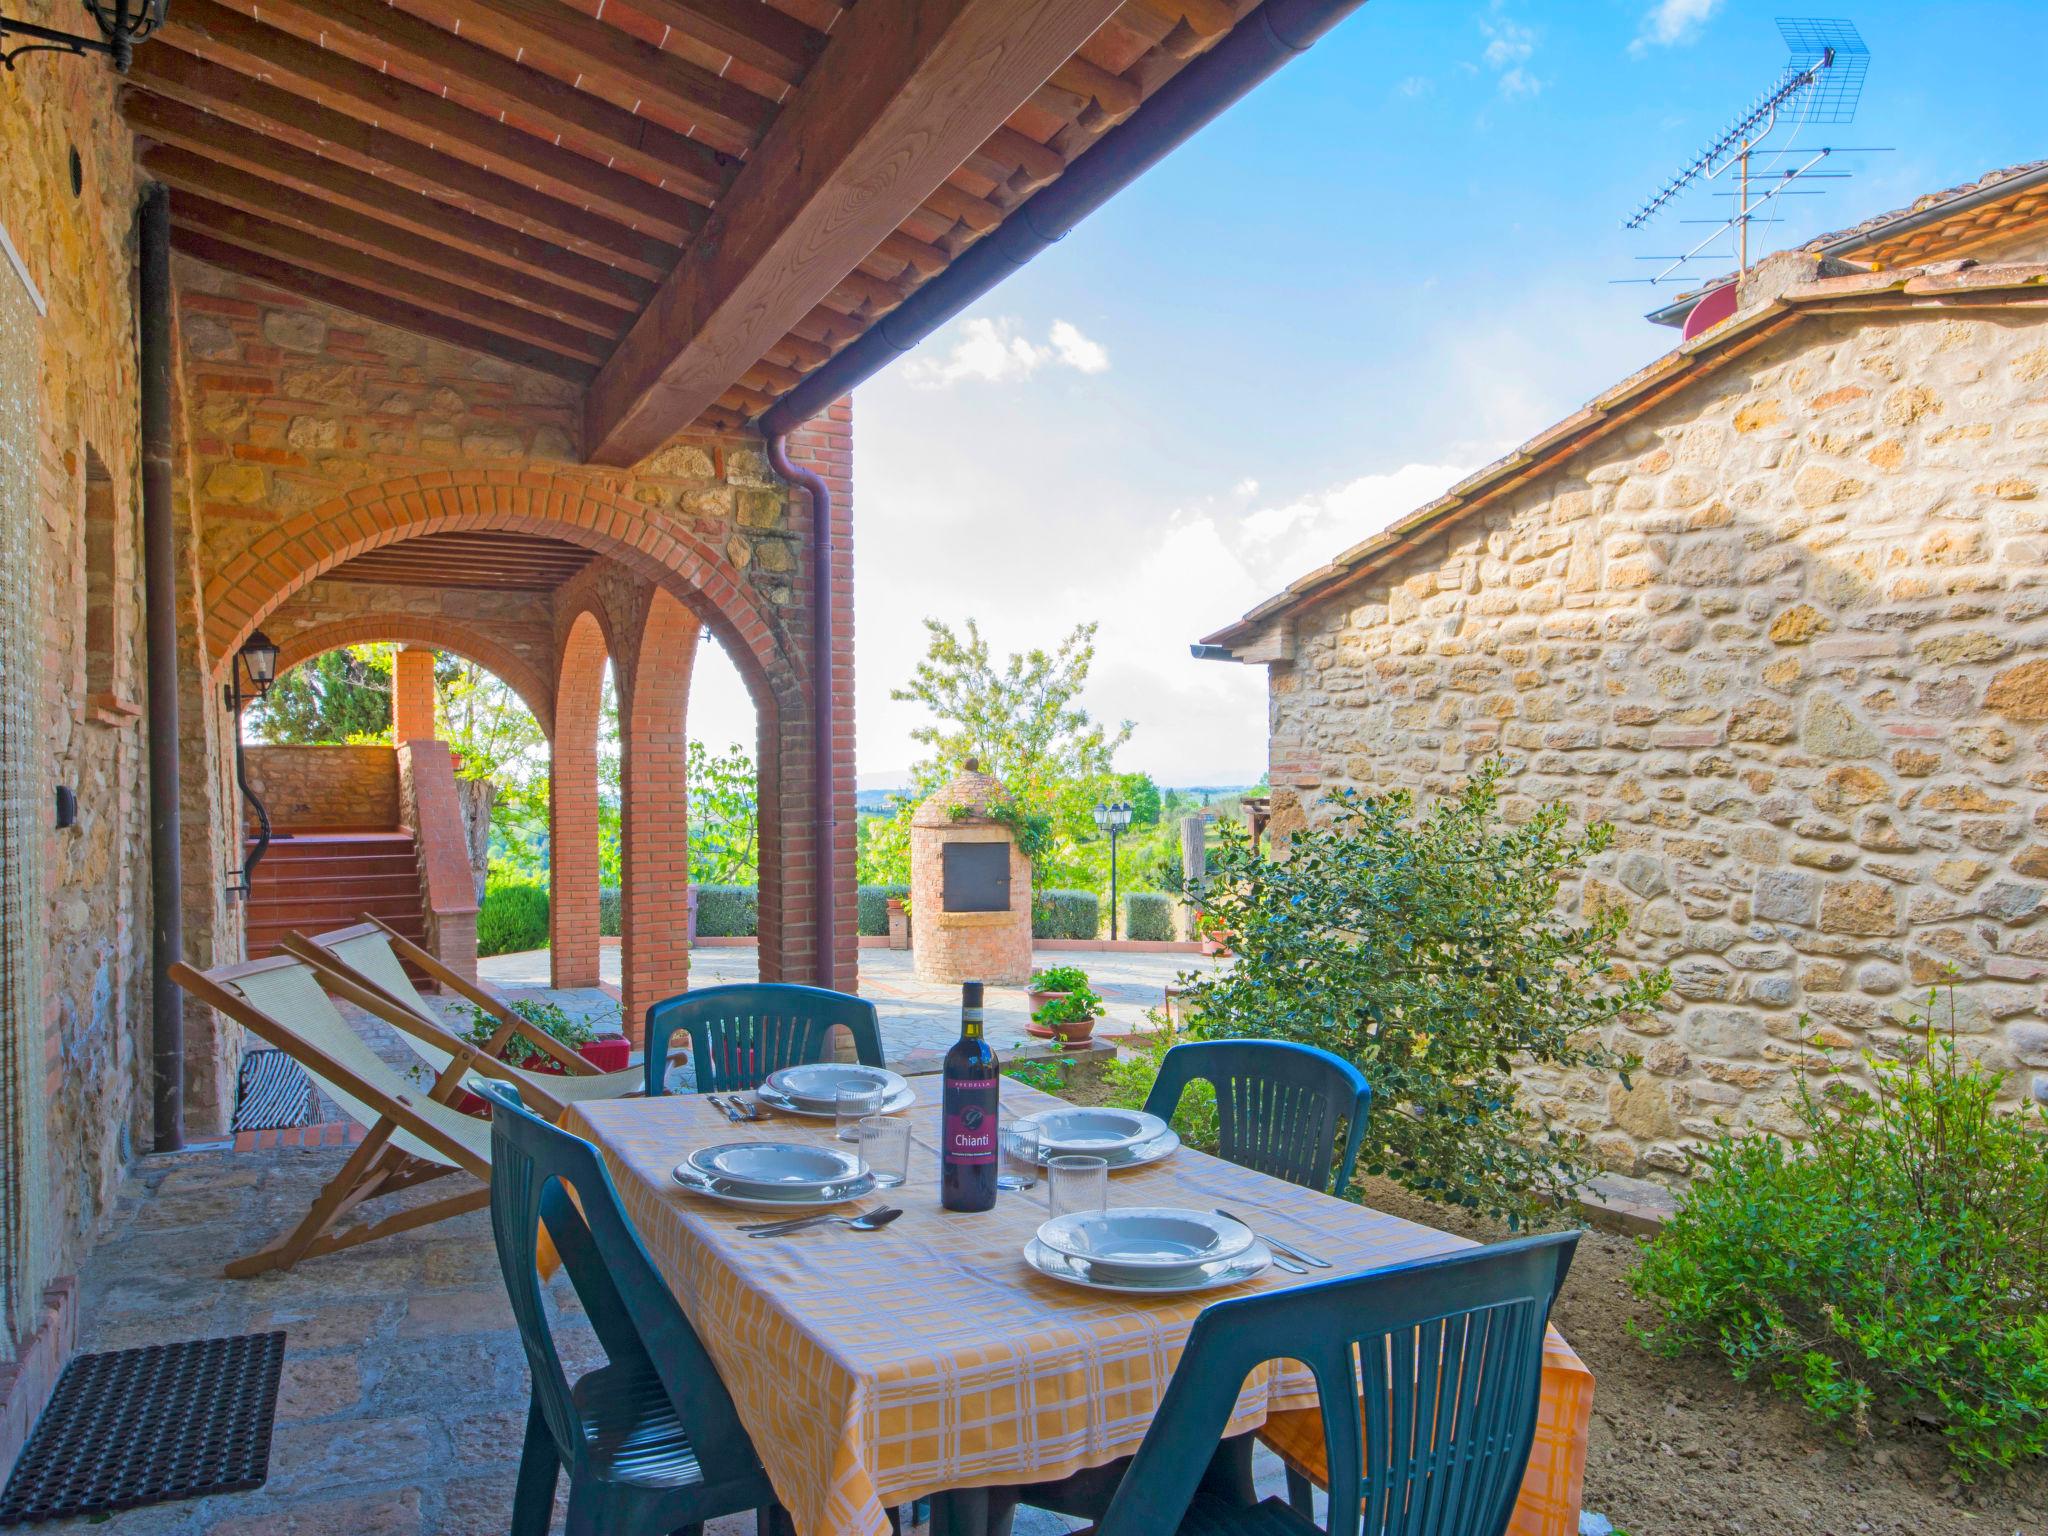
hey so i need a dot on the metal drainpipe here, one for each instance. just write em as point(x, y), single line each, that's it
point(824, 814)
point(160, 597)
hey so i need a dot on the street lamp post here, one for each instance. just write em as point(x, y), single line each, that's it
point(1113, 818)
point(259, 657)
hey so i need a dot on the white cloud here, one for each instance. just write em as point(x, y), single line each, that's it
point(1671, 22)
point(996, 351)
point(1509, 47)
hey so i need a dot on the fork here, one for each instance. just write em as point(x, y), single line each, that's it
point(724, 1108)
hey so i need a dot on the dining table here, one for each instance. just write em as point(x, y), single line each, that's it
point(876, 1369)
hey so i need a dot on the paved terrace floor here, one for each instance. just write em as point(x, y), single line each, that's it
point(919, 1019)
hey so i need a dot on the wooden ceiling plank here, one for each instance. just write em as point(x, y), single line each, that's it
point(620, 60)
point(755, 34)
point(370, 305)
point(314, 254)
point(323, 220)
point(899, 98)
point(173, 122)
point(672, 159)
point(215, 32)
point(977, 213)
point(1014, 154)
point(1205, 18)
point(1113, 93)
point(925, 260)
point(275, 112)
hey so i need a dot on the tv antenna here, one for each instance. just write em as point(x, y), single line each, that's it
point(1820, 85)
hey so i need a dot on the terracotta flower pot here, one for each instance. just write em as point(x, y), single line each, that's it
point(607, 1053)
point(1038, 1000)
point(1074, 1031)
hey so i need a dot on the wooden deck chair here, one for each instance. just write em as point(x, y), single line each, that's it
point(368, 956)
point(414, 1134)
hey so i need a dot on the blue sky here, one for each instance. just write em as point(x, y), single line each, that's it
point(1389, 265)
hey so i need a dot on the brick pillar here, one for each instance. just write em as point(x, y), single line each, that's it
point(412, 695)
point(572, 809)
point(654, 922)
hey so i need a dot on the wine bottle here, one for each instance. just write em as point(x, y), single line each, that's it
point(968, 1113)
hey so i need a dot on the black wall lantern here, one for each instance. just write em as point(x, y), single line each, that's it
point(259, 658)
point(123, 23)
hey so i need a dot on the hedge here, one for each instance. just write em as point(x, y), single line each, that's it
point(874, 908)
point(1148, 915)
point(609, 910)
point(728, 911)
point(1065, 915)
point(513, 917)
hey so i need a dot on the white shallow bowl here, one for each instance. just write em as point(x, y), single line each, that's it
point(775, 1167)
point(895, 1103)
point(792, 1202)
point(1203, 1277)
point(1145, 1241)
point(816, 1085)
point(1094, 1132)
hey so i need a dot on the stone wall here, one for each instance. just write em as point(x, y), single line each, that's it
point(78, 249)
point(1789, 633)
point(310, 789)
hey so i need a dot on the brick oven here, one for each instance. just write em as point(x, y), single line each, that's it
point(970, 887)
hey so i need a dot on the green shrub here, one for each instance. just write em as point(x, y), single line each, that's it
point(1130, 1076)
point(513, 917)
point(545, 1014)
point(874, 908)
point(1059, 978)
point(1428, 947)
point(1148, 915)
point(1894, 1265)
point(728, 911)
point(610, 911)
point(1065, 915)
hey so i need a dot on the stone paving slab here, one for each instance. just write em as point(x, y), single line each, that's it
point(918, 1019)
point(404, 1392)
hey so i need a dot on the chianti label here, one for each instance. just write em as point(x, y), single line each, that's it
point(970, 1128)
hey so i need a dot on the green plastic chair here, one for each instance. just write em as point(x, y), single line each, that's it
point(651, 1440)
point(1278, 1106)
point(741, 1033)
point(1452, 1349)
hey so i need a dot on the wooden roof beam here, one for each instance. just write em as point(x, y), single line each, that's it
point(215, 32)
point(310, 253)
point(757, 35)
point(670, 159)
point(273, 112)
point(185, 127)
point(900, 97)
point(379, 307)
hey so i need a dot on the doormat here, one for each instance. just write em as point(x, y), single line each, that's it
point(273, 1094)
point(150, 1426)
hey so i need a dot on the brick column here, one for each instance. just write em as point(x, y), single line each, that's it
point(572, 809)
point(654, 921)
point(412, 695)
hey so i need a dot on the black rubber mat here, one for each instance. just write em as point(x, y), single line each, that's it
point(150, 1426)
point(274, 1093)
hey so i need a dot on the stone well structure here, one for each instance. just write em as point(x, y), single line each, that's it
point(970, 887)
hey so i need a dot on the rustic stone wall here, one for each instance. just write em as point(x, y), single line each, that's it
point(309, 789)
point(78, 248)
point(1789, 633)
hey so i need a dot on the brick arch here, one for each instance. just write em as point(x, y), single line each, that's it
point(442, 634)
point(247, 589)
point(654, 922)
point(574, 876)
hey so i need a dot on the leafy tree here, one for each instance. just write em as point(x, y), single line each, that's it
point(1139, 792)
point(724, 817)
point(1429, 949)
point(341, 696)
point(486, 723)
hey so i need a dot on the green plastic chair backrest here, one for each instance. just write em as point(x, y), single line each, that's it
point(741, 1033)
point(1444, 1354)
point(534, 1168)
point(1279, 1106)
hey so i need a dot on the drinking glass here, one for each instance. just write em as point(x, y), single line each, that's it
point(1020, 1156)
point(853, 1105)
point(1076, 1183)
point(885, 1148)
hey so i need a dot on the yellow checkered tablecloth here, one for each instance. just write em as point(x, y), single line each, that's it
point(872, 1369)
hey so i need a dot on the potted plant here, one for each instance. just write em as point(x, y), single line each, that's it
point(606, 1052)
point(1214, 936)
point(1063, 1006)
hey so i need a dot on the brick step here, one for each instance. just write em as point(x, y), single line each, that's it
point(331, 912)
point(351, 885)
point(265, 935)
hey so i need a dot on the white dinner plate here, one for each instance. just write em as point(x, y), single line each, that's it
point(772, 1168)
point(717, 1189)
point(1145, 1242)
point(1207, 1277)
point(815, 1085)
point(1164, 1145)
point(896, 1103)
point(1095, 1132)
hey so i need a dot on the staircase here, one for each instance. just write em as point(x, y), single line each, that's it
point(314, 881)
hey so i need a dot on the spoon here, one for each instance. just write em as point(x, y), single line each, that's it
point(871, 1221)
